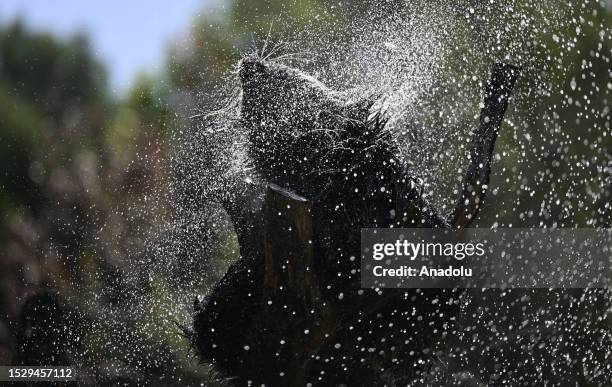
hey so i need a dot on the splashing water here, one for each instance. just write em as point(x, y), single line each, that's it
point(425, 65)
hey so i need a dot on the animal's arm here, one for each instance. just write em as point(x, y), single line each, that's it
point(476, 179)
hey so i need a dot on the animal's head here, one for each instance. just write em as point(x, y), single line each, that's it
point(275, 94)
point(299, 130)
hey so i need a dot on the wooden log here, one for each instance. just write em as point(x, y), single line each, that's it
point(288, 246)
point(294, 321)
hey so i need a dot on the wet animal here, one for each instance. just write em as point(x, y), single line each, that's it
point(339, 154)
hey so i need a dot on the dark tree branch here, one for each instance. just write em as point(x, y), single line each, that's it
point(476, 179)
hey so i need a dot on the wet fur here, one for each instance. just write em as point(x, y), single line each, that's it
point(338, 153)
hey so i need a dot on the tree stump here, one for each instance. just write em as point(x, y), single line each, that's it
point(291, 294)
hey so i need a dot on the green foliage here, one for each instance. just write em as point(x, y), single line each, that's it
point(51, 73)
point(149, 100)
point(48, 89)
point(19, 123)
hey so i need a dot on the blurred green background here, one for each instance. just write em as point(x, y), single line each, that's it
point(82, 168)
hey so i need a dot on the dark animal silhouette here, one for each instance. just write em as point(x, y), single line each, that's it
point(338, 154)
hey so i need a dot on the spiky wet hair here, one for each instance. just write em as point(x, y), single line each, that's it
point(303, 135)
